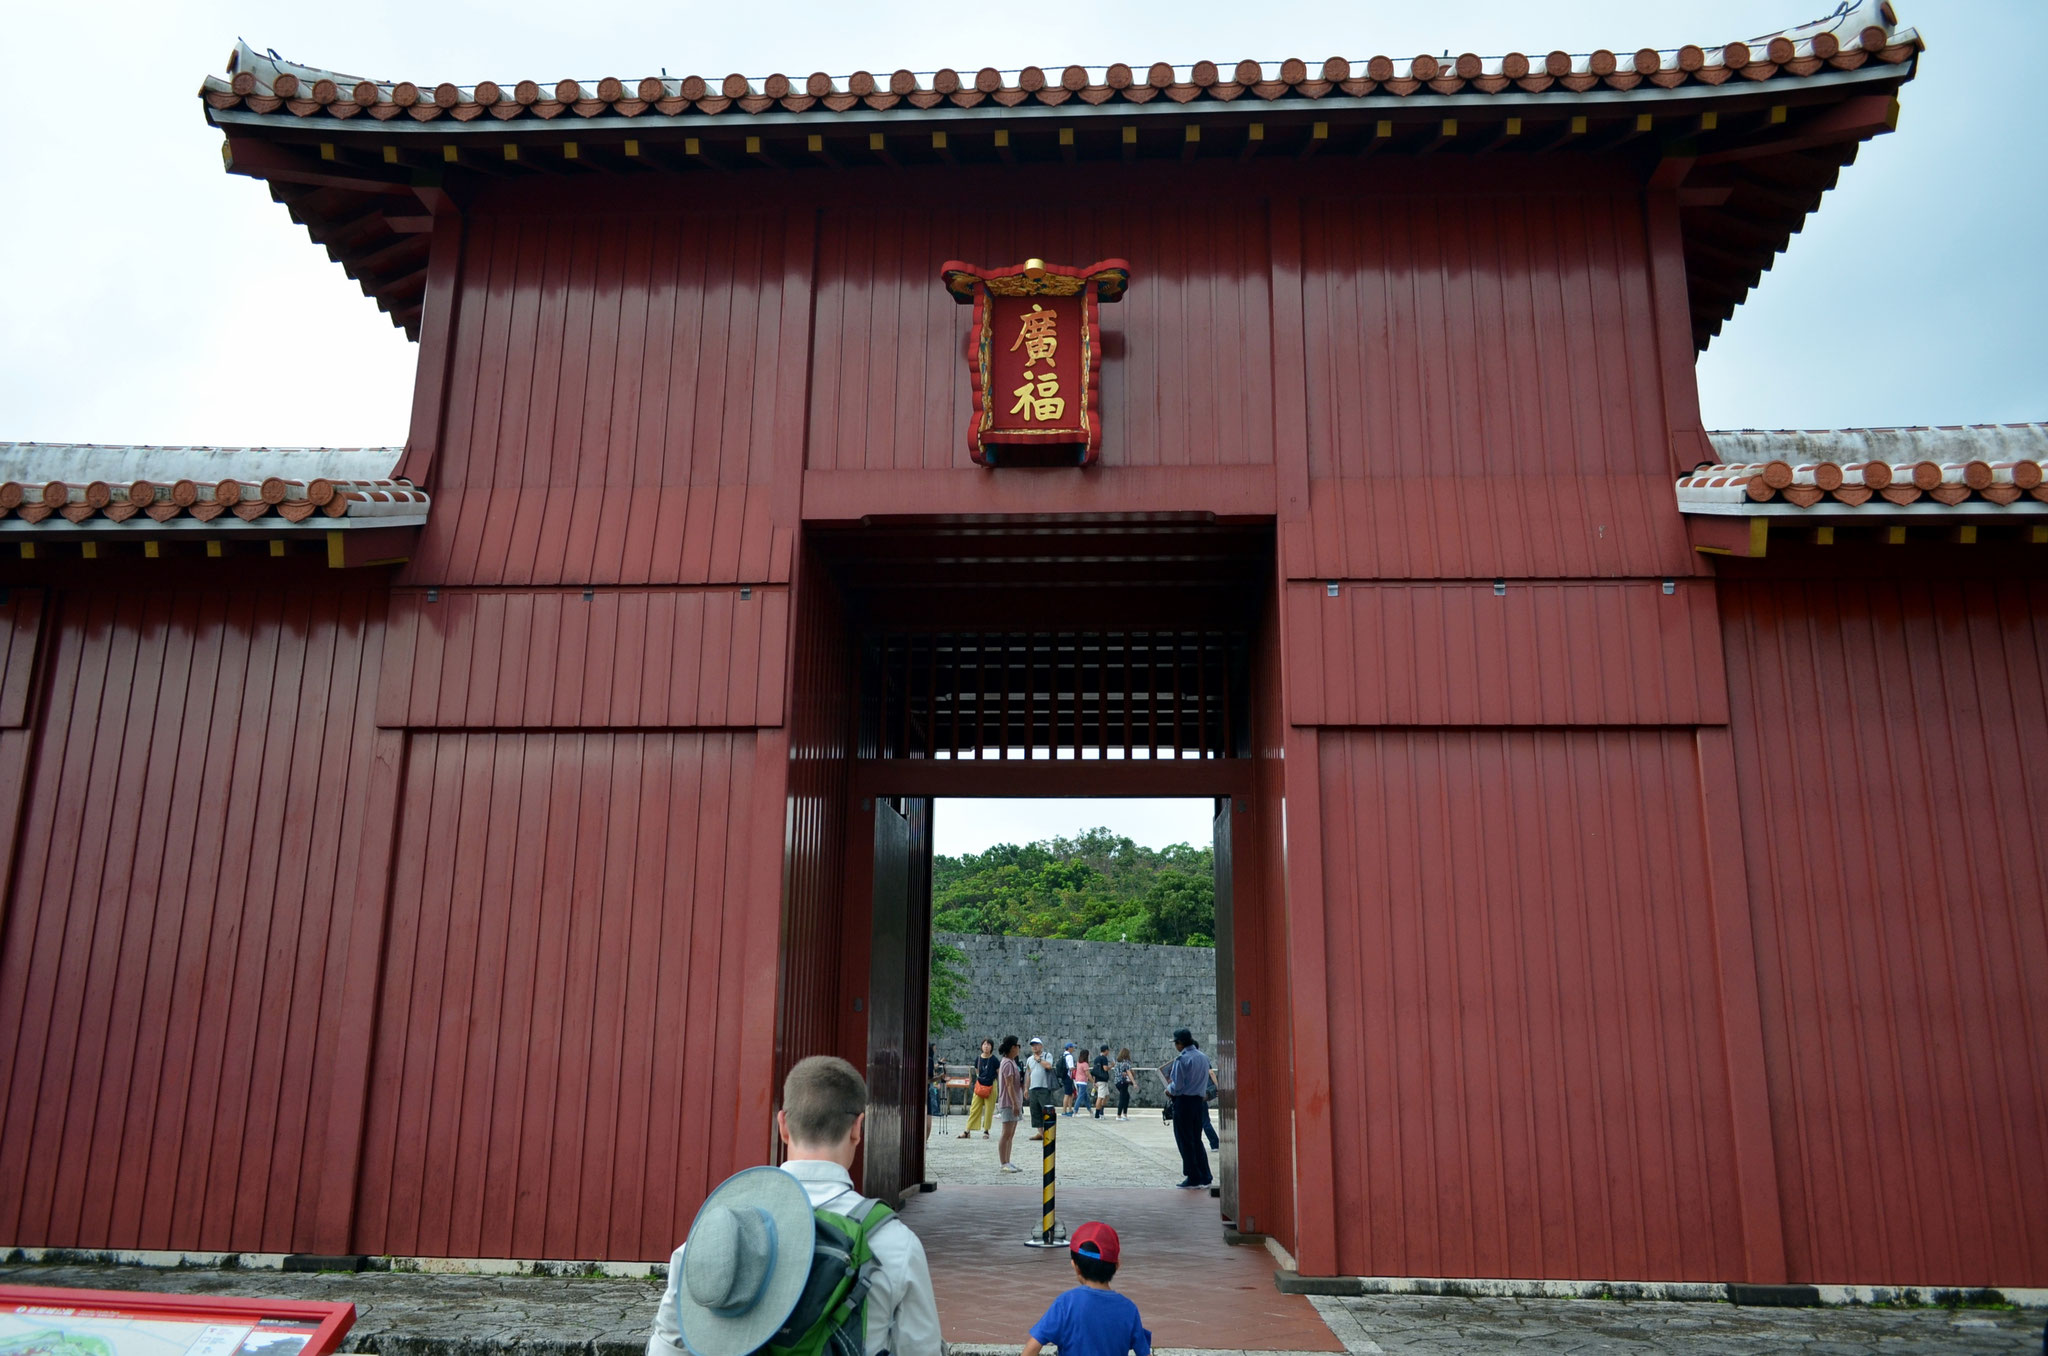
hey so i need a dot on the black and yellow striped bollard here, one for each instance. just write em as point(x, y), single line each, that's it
point(1049, 1234)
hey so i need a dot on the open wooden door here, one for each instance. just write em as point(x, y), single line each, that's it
point(899, 981)
point(1226, 1018)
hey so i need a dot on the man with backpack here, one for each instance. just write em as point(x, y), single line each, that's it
point(792, 1259)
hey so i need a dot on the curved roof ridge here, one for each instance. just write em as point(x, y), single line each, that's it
point(1855, 32)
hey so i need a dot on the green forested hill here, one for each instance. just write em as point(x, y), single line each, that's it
point(1098, 886)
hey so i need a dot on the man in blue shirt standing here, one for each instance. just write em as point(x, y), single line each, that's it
point(1187, 1083)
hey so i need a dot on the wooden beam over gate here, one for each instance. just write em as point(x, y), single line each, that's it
point(1052, 777)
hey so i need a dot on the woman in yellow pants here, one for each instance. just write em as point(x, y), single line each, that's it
point(982, 1110)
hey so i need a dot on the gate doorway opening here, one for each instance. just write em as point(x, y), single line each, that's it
point(1074, 662)
point(1091, 924)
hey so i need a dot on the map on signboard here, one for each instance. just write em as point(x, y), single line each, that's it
point(35, 1330)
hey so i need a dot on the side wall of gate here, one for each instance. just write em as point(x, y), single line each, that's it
point(189, 768)
point(1893, 758)
point(1523, 1043)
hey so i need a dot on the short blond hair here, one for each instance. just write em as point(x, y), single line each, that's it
point(822, 1097)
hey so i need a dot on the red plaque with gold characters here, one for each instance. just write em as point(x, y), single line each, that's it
point(1034, 356)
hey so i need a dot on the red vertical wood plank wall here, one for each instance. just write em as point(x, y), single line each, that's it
point(1528, 1068)
point(890, 391)
point(1893, 761)
point(1529, 1082)
point(1586, 930)
point(570, 916)
point(172, 939)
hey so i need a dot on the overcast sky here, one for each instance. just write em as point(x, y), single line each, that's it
point(150, 297)
point(961, 825)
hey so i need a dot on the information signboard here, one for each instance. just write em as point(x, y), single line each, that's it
point(46, 1321)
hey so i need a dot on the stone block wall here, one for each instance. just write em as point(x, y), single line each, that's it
point(1119, 993)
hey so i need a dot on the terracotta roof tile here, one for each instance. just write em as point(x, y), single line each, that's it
point(90, 485)
point(1855, 34)
point(1971, 469)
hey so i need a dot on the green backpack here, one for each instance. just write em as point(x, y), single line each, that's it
point(830, 1318)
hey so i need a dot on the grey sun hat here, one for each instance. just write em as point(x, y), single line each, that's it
point(745, 1262)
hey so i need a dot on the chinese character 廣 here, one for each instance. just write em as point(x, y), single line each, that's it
point(1037, 335)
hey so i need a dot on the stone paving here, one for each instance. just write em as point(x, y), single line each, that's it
point(1408, 1325)
point(1090, 1153)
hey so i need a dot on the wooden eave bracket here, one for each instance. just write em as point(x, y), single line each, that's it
point(1727, 535)
point(1853, 120)
point(372, 546)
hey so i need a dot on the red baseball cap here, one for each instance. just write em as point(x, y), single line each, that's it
point(1094, 1239)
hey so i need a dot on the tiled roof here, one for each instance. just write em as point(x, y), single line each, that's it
point(1753, 132)
point(1971, 468)
point(52, 486)
point(1856, 33)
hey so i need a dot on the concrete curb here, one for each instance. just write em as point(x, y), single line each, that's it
point(1681, 1292)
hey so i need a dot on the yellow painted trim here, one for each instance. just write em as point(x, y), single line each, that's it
point(1450, 127)
point(337, 556)
point(1823, 536)
point(28, 550)
point(691, 146)
point(1643, 122)
point(1193, 133)
point(390, 155)
point(1779, 113)
point(938, 141)
point(448, 154)
point(1131, 136)
point(1895, 535)
point(753, 145)
point(1383, 130)
point(213, 549)
point(1759, 536)
point(1709, 121)
point(327, 150)
point(1319, 132)
point(90, 549)
point(1003, 137)
point(1579, 125)
point(1257, 132)
point(150, 550)
point(632, 148)
point(874, 141)
point(815, 143)
point(511, 151)
point(1966, 535)
point(1066, 136)
point(569, 150)
point(1514, 127)
point(2038, 536)
point(276, 547)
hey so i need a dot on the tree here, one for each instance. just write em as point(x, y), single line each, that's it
point(1098, 885)
point(1179, 907)
point(948, 988)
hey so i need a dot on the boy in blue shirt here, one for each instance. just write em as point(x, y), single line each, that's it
point(1091, 1319)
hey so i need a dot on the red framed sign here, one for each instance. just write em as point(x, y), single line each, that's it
point(1034, 355)
point(40, 1320)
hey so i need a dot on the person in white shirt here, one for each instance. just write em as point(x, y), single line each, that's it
point(1038, 1073)
point(823, 1117)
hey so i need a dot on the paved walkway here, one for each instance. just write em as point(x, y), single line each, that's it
point(1194, 1289)
point(1403, 1325)
point(1138, 1152)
